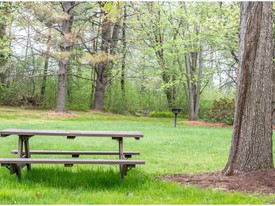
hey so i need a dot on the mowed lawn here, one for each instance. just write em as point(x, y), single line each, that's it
point(166, 150)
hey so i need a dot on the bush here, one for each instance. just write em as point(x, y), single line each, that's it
point(222, 110)
point(161, 114)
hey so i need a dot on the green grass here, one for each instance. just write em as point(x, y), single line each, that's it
point(165, 149)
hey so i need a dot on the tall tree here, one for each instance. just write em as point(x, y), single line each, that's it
point(5, 12)
point(110, 29)
point(198, 34)
point(65, 47)
point(251, 147)
point(124, 47)
point(153, 30)
point(46, 67)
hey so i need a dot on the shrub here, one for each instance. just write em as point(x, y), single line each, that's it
point(222, 110)
point(161, 114)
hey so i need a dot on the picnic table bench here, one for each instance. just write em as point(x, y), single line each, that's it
point(24, 153)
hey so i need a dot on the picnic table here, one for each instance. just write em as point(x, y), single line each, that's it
point(24, 154)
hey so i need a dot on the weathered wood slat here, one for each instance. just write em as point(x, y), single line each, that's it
point(61, 152)
point(5, 161)
point(70, 133)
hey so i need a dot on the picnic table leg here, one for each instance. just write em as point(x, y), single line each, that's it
point(27, 151)
point(23, 141)
point(19, 155)
point(122, 167)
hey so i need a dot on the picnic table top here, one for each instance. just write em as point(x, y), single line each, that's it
point(70, 133)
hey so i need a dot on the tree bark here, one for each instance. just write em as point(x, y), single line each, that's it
point(63, 63)
point(101, 68)
point(100, 88)
point(124, 47)
point(109, 35)
point(273, 84)
point(251, 147)
point(45, 70)
point(193, 64)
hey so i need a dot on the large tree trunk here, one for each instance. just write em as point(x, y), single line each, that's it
point(108, 46)
point(273, 85)
point(251, 148)
point(100, 89)
point(63, 63)
point(101, 69)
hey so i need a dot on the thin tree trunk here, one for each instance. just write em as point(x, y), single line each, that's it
point(194, 64)
point(193, 85)
point(251, 147)
point(189, 87)
point(168, 90)
point(93, 77)
point(198, 91)
point(45, 70)
point(124, 46)
point(63, 64)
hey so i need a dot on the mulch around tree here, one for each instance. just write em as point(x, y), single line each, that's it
point(262, 182)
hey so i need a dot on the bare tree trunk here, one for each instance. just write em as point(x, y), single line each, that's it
point(108, 46)
point(198, 90)
point(158, 46)
point(63, 63)
point(124, 46)
point(45, 70)
point(193, 63)
point(101, 69)
point(166, 77)
point(100, 89)
point(251, 147)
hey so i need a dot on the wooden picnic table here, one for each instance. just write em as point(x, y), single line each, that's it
point(24, 153)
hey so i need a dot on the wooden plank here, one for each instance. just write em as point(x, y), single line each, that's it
point(27, 151)
point(70, 133)
point(5, 161)
point(20, 147)
point(61, 152)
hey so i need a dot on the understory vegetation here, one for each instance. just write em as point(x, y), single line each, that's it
point(142, 58)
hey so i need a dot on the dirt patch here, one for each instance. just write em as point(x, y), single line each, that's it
point(262, 182)
point(53, 114)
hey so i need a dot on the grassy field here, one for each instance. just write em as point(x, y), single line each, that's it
point(165, 149)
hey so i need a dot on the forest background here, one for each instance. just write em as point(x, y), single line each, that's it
point(142, 58)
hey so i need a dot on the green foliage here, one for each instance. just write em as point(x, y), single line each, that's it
point(161, 114)
point(136, 98)
point(222, 110)
point(158, 37)
point(11, 97)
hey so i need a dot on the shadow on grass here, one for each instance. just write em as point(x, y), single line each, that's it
point(86, 179)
